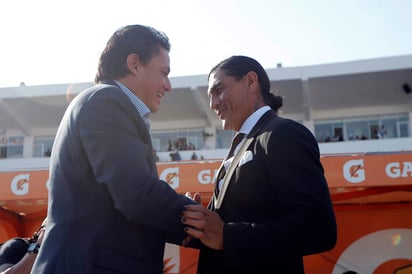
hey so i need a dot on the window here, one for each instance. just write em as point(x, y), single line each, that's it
point(11, 147)
point(3, 147)
point(42, 146)
point(391, 125)
point(224, 138)
point(403, 130)
point(156, 144)
point(183, 139)
point(387, 126)
point(359, 130)
point(329, 131)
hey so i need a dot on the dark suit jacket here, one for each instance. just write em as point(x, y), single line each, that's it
point(277, 206)
point(108, 211)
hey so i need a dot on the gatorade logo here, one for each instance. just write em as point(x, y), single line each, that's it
point(354, 171)
point(396, 169)
point(367, 253)
point(20, 184)
point(206, 177)
point(171, 176)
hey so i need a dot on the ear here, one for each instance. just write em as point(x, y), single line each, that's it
point(133, 63)
point(252, 80)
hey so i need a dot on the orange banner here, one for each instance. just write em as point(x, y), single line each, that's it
point(28, 184)
point(374, 238)
point(340, 171)
point(368, 170)
point(371, 239)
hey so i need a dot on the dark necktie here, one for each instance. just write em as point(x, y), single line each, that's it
point(235, 142)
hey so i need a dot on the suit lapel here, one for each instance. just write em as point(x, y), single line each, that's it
point(229, 172)
point(216, 202)
point(211, 204)
point(142, 128)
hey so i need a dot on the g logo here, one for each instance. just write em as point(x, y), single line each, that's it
point(368, 252)
point(354, 171)
point(171, 176)
point(20, 184)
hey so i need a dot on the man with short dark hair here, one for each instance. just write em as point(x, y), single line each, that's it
point(108, 210)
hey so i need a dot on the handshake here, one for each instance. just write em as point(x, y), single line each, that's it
point(202, 224)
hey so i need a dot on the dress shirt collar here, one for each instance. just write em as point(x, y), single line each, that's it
point(143, 110)
point(253, 119)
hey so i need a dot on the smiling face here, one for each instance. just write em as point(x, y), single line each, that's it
point(151, 80)
point(232, 100)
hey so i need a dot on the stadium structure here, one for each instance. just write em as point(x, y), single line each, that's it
point(359, 111)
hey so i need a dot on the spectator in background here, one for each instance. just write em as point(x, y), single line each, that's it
point(47, 153)
point(175, 156)
point(382, 132)
point(170, 146)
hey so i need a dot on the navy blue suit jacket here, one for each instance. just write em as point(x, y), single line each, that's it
point(108, 211)
point(277, 206)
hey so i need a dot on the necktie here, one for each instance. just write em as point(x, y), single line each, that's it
point(235, 142)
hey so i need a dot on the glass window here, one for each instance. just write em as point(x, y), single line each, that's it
point(156, 143)
point(403, 129)
point(42, 146)
point(182, 139)
point(329, 131)
point(358, 129)
point(164, 138)
point(391, 125)
point(224, 138)
point(195, 139)
point(3, 147)
point(15, 147)
point(323, 132)
point(388, 126)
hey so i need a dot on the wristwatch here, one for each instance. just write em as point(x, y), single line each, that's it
point(33, 248)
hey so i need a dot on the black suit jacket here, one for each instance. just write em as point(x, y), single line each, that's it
point(108, 212)
point(277, 206)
